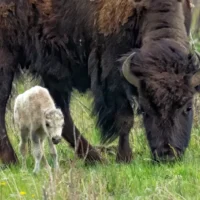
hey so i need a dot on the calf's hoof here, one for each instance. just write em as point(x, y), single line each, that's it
point(24, 168)
point(36, 171)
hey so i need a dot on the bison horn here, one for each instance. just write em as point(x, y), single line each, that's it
point(196, 58)
point(127, 72)
point(195, 80)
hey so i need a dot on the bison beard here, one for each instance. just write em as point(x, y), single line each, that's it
point(77, 44)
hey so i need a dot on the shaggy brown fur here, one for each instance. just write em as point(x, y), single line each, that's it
point(167, 97)
point(5, 9)
point(113, 14)
point(44, 6)
point(168, 25)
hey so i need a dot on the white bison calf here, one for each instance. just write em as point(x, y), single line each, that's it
point(37, 118)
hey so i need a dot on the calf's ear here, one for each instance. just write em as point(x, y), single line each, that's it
point(60, 112)
point(47, 113)
point(195, 81)
point(126, 71)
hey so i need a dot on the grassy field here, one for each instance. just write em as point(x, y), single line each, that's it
point(139, 180)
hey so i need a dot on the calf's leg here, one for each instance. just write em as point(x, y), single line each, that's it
point(23, 146)
point(7, 64)
point(44, 160)
point(37, 151)
point(54, 154)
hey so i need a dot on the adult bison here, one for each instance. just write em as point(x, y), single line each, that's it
point(79, 44)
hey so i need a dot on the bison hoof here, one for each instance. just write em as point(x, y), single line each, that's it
point(124, 157)
point(92, 157)
point(8, 158)
point(110, 150)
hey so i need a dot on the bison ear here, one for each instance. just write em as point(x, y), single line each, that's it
point(195, 79)
point(60, 112)
point(47, 113)
point(129, 76)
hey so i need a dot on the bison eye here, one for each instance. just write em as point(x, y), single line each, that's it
point(47, 125)
point(143, 112)
point(188, 109)
point(140, 110)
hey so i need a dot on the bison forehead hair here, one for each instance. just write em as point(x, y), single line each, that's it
point(165, 93)
point(164, 72)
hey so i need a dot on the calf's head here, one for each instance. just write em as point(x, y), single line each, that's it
point(53, 124)
point(166, 80)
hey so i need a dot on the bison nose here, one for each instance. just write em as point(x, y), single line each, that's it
point(167, 154)
point(56, 139)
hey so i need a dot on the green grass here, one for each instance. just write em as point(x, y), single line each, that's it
point(139, 180)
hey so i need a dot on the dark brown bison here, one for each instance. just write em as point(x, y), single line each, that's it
point(82, 44)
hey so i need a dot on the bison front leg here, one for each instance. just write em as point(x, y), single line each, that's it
point(7, 154)
point(70, 132)
point(82, 148)
point(124, 123)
